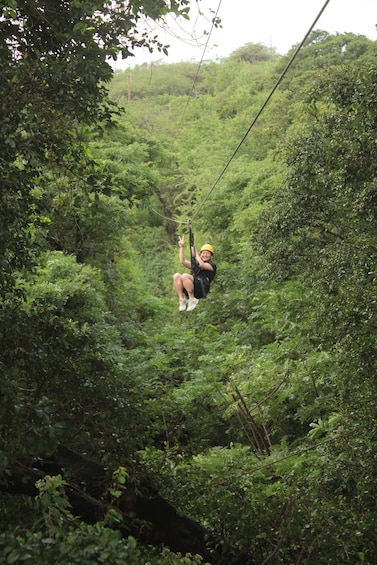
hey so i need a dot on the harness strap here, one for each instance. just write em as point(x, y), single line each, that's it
point(194, 263)
point(204, 288)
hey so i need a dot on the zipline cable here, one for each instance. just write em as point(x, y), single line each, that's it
point(187, 222)
point(261, 109)
point(282, 75)
point(214, 20)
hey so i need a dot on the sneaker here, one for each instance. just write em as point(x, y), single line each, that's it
point(192, 304)
point(182, 305)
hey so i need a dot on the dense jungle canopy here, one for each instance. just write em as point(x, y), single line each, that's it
point(243, 432)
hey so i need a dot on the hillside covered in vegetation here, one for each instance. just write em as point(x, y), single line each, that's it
point(243, 432)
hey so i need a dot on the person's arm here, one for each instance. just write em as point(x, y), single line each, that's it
point(205, 266)
point(183, 261)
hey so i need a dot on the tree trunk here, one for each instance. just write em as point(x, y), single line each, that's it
point(164, 525)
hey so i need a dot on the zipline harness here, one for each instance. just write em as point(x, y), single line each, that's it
point(194, 263)
point(195, 269)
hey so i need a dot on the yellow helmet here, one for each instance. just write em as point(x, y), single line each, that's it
point(207, 247)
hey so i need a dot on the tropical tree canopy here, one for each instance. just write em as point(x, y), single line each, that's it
point(241, 432)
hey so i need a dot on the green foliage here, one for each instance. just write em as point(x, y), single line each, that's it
point(65, 360)
point(55, 70)
point(285, 329)
point(156, 79)
point(323, 50)
point(322, 223)
point(254, 414)
point(66, 539)
point(253, 52)
point(119, 480)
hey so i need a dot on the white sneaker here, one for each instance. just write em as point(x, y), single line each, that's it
point(192, 304)
point(182, 305)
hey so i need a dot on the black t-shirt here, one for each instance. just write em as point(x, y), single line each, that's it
point(206, 273)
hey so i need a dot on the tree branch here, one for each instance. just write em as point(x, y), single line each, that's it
point(147, 516)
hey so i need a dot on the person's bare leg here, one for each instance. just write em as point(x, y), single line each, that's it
point(179, 282)
point(188, 285)
point(178, 285)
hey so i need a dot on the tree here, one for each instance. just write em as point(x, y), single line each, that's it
point(322, 50)
point(321, 229)
point(255, 415)
point(55, 69)
point(251, 52)
point(57, 339)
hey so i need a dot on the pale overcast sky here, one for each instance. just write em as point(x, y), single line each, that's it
point(275, 23)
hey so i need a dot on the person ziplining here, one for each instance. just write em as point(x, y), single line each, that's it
point(192, 286)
